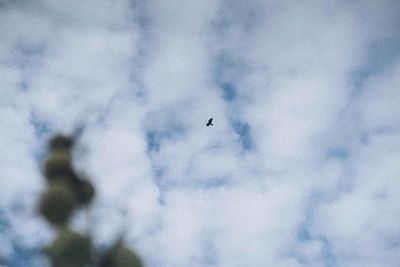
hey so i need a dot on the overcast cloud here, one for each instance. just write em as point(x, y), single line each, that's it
point(301, 167)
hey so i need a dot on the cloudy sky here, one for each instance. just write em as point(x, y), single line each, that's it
point(301, 167)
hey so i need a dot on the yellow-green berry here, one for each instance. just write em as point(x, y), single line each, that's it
point(60, 142)
point(57, 204)
point(70, 249)
point(120, 256)
point(127, 258)
point(58, 166)
point(84, 191)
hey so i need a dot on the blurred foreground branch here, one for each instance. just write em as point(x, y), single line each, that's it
point(66, 193)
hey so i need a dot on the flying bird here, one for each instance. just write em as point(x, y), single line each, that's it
point(209, 122)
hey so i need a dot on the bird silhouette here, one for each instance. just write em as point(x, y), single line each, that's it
point(209, 122)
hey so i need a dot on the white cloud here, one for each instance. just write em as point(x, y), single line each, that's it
point(299, 169)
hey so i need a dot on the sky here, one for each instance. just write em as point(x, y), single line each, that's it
point(301, 167)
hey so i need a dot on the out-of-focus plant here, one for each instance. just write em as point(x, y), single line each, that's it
point(68, 191)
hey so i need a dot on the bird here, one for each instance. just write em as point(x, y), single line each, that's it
point(209, 122)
